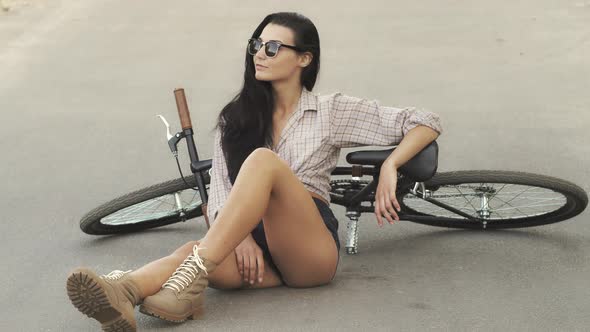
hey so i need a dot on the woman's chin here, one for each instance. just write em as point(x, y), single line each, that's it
point(261, 77)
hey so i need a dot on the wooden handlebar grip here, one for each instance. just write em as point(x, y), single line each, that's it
point(185, 117)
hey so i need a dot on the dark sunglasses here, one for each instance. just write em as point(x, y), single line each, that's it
point(271, 47)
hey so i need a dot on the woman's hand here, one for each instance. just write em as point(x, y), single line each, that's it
point(385, 201)
point(249, 257)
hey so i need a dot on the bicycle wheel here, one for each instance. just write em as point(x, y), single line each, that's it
point(158, 205)
point(500, 199)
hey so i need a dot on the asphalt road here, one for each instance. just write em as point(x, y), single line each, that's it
point(82, 81)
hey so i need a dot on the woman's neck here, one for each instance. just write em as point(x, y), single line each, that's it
point(286, 95)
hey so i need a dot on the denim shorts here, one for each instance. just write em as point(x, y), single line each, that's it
point(329, 220)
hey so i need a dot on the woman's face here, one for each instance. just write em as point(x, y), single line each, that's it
point(286, 63)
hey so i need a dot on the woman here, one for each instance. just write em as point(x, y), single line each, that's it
point(275, 146)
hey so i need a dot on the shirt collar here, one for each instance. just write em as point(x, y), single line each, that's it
point(307, 101)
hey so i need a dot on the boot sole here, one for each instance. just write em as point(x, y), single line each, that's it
point(91, 298)
point(198, 313)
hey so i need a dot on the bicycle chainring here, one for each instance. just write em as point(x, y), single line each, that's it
point(342, 190)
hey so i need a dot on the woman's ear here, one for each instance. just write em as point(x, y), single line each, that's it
point(305, 59)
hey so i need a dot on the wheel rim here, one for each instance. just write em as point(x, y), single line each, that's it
point(182, 202)
point(488, 201)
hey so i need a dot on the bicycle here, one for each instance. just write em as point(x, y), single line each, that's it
point(475, 199)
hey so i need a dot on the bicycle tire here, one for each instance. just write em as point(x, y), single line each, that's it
point(92, 222)
point(576, 199)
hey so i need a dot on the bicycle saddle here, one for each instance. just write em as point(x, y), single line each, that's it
point(420, 168)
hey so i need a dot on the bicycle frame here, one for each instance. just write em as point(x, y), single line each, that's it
point(404, 183)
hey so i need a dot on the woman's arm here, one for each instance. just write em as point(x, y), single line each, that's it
point(412, 143)
point(220, 185)
point(361, 122)
point(386, 204)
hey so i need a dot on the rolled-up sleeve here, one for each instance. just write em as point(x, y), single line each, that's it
point(360, 122)
point(220, 185)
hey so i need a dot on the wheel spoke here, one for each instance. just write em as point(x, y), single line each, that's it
point(555, 204)
point(505, 200)
point(499, 190)
point(156, 208)
point(522, 192)
point(513, 207)
point(462, 195)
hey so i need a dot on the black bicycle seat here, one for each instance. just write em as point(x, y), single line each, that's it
point(420, 168)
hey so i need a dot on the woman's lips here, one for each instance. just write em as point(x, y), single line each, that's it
point(260, 67)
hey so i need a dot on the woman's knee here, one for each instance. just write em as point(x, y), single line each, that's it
point(263, 158)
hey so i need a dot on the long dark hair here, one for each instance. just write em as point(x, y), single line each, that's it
point(246, 122)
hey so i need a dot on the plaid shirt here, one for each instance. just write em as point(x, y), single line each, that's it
point(314, 134)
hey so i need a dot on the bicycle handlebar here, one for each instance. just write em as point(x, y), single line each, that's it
point(183, 113)
point(196, 165)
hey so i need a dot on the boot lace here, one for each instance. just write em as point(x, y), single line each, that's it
point(115, 275)
point(186, 272)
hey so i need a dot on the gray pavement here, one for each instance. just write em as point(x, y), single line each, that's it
point(82, 81)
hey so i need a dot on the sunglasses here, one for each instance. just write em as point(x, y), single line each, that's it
point(271, 47)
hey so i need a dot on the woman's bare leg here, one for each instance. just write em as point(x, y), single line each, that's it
point(227, 276)
point(150, 277)
point(263, 180)
point(267, 189)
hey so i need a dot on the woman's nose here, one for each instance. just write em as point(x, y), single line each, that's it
point(261, 54)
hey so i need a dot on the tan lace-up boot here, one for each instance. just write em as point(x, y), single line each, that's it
point(183, 295)
point(110, 298)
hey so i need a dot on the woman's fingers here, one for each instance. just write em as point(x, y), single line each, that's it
point(396, 204)
point(250, 263)
point(246, 267)
point(240, 260)
point(384, 208)
point(380, 209)
point(260, 260)
point(378, 216)
point(378, 213)
point(389, 206)
point(252, 268)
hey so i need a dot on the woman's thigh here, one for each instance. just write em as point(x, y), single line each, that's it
point(227, 276)
point(301, 245)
